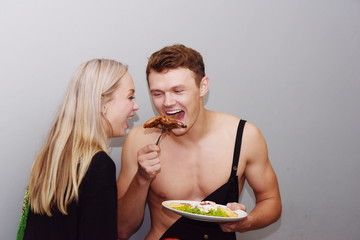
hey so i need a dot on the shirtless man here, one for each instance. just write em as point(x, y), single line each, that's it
point(193, 163)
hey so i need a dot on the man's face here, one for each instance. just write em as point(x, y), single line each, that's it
point(174, 93)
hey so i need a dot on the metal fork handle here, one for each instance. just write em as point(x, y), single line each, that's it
point(164, 129)
point(158, 140)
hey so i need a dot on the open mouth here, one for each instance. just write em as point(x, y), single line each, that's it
point(178, 114)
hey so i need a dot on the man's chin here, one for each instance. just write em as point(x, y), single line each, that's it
point(179, 131)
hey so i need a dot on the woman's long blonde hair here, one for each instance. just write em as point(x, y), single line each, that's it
point(76, 135)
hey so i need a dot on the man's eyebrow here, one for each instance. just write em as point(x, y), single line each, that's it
point(173, 87)
point(155, 90)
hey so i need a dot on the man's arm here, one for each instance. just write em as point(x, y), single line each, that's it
point(138, 168)
point(262, 179)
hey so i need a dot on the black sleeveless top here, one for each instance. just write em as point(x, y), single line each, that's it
point(188, 229)
point(92, 217)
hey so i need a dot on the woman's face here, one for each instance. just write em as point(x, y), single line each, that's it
point(121, 107)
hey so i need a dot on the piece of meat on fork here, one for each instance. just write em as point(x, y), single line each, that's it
point(165, 123)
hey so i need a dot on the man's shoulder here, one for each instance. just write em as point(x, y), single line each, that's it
point(229, 122)
point(140, 134)
point(141, 131)
point(224, 119)
point(229, 119)
point(136, 130)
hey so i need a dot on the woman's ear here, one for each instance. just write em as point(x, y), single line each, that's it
point(204, 86)
point(104, 110)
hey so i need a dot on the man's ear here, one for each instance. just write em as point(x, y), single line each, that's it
point(204, 86)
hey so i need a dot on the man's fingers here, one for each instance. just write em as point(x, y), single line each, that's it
point(149, 148)
point(236, 206)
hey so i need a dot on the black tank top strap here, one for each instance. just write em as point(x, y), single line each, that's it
point(237, 147)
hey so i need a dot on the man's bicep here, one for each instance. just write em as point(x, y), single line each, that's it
point(259, 172)
point(263, 180)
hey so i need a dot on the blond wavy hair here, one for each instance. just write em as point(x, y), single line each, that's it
point(76, 135)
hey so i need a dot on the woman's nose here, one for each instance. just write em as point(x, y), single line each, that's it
point(136, 106)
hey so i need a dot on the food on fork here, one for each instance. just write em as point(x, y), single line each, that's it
point(164, 122)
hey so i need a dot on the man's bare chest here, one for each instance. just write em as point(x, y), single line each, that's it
point(191, 174)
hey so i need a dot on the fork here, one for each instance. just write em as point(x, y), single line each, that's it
point(164, 129)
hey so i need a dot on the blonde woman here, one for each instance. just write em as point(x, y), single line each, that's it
point(72, 184)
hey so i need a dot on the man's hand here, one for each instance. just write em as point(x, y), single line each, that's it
point(238, 226)
point(148, 161)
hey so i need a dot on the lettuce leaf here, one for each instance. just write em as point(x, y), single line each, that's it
point(216, 213)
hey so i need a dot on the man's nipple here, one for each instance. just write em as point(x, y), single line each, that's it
point(162, 195)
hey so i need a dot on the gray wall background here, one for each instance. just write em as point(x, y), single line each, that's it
point(290, 67)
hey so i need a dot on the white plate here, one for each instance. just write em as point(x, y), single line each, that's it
point(241, 214)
